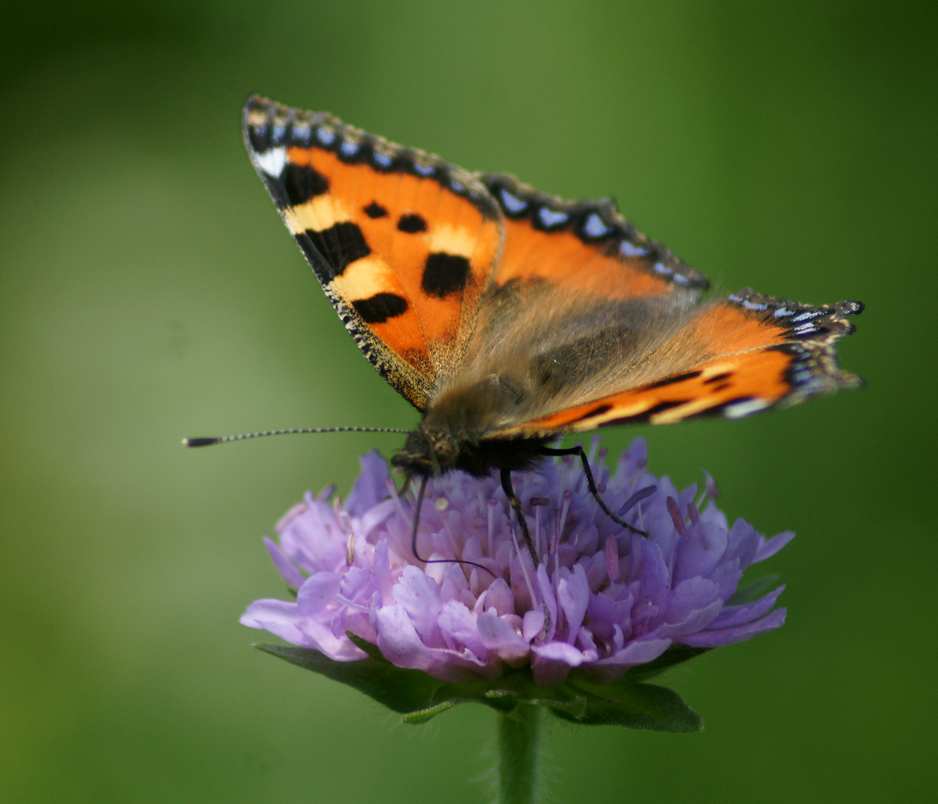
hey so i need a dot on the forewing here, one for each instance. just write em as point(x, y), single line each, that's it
point(402, 242)
point(739, 356)
point(582, 248)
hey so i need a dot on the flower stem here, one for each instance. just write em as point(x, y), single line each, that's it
point(518, 755)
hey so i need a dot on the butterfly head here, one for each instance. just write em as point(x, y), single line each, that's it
point(427, 452)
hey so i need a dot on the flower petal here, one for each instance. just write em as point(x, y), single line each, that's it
point(371, 486)
point(601, 598)
point(727, 636)
point(277, 616)
point(633, 654)
point(288, 571)
point(533, 623)
point(498, 596)
point(399, 641)
point(699, 551)
point(693, 606)
point(283, 620)
point(769, 547)
point(546, 588)
point(553, 662)
point(499, 636)
point(459, 628)
point(419, 596)
point(573, 595)
point(317, 592)
point(738, 615)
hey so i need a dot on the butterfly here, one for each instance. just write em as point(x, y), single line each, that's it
point(508, 317)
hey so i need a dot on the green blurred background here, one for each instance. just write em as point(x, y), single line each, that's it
point(148, 290)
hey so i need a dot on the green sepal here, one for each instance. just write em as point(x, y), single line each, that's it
point(636, 706)
point(755, 589)
point(401, 690)
point(673, 656)
point(418, 697)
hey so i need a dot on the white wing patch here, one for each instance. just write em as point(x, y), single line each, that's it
point(271, 161)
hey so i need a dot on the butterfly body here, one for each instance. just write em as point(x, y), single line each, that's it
point(509, 317)
point(433, 451)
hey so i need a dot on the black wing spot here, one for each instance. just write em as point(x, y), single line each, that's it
point(688, 375)
point(412, 223)
point(375, 210)
point(313, 257)
point(338, 245)
point(444, 274)
point(713, 379)
point(297, 185)
point(599, 410)
point(259, 137)
point(379, 308)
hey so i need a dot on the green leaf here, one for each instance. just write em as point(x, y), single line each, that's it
point(418, 697)
point(367, 647)
point(637, 706)
point(401, 690)
point(519, 686)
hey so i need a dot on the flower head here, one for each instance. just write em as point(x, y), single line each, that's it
point(598, 597)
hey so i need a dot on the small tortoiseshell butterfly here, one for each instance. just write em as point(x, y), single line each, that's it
point(508, 317)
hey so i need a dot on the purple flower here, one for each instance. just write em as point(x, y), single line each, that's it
point(600, 598)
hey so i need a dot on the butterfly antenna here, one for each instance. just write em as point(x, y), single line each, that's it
point(208, 441)
point(413, 536)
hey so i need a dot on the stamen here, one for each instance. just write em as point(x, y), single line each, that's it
point(489, 536)
point(524, 570)
point(676, 516)
point(537, 534)
point(537, 503)
point(594, 446)
point(349, 603)
point(641, 517)
point(709, 492)
point(611, 550)
point(636, 498)
point(350, 549)
point(693, 513)
point(561, 521)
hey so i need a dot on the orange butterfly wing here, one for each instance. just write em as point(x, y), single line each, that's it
point(421, 259)
point(760, 353)
point(402, 242)
point(582, 247)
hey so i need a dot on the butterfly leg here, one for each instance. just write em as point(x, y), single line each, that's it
point(516, 506)
point(591, 482)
